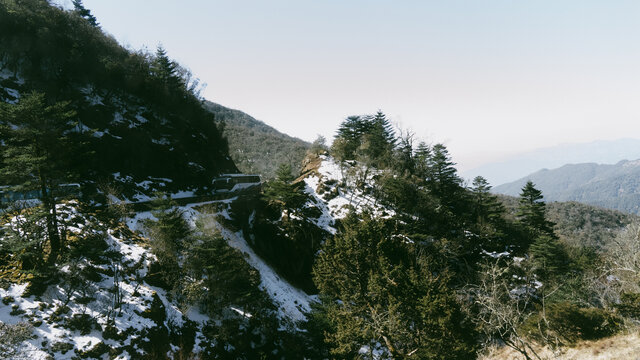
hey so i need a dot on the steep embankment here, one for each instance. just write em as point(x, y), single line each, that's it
point(338, 188)
point(103, 303)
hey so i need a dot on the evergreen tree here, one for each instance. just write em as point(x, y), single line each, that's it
point(84, 12)
point(37, 153)
point(369, 139)
point(443, 173)
point(218, 275)
point(487, 207)
point(382, 140)
point(168, 235)
point(350, 132)
point(443, 181)
point(384, 129)
point(486, 215)
point(290, 197)
point(423, 159)
point(532, 210)
point(547, 256)
point(379, 289)
point(166, 71)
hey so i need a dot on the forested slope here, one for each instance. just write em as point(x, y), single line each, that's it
point(126, 117)
point(399, 259)
point(255, 147)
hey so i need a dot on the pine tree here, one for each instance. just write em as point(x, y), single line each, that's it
point(84, 13)
point(442, 178)
point(532, 210)
point(38, 152)
point(382, 138)
point(404, 162)
point(168, 235)
point(281, 191)
point(166, 71)
point(423, 159)
point(369, 139)
point(350, 134)
point(487, 207)
point(547, 256)
point(385, 129)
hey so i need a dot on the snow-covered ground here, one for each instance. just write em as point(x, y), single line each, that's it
point(292, 302)
point(335, 193)
point(47, 312)
point(136, 295)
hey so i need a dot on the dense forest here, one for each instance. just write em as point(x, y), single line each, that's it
point(255, 147)
point(137, 115)
point(371, 248)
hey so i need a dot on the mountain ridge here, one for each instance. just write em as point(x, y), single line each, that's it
point(612, 186)
point(519, 165)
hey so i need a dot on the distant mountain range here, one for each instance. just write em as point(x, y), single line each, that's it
point(517, 166)
point(611, 186)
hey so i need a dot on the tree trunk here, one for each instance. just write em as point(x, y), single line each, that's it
point(52, 220)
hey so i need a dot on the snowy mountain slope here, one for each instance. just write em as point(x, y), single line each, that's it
point(292, 303)
point(338, 189)
point(68, 321)
point(65, 322)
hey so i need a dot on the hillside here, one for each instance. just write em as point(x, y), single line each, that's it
point(372, 249)
point(128, 120)
point(581, 225)
point(255, 147)
point(610, 186)
point(110, 297)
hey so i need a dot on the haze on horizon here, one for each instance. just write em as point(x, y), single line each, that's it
point(489, 79)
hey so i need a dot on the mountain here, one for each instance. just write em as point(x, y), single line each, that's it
point(610, 186)
point(516, 166)
point(134, 119)
point(371, 251)
point(255, 147)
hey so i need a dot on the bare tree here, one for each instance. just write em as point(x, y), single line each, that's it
point(503, 306)
point(621, 272)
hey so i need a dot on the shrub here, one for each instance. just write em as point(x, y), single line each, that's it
point(7, 300)
point(96, 352)
point(11, 336)
point(629, 305)
point(83, 323)
point(569, 323)
point(15, 310)
point(62, 347)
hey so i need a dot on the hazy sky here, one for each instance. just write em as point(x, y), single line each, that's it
point(487, 78)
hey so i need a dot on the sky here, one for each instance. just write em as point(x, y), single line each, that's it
point(489, 79)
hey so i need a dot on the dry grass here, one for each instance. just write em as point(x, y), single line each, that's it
point(620, 347)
